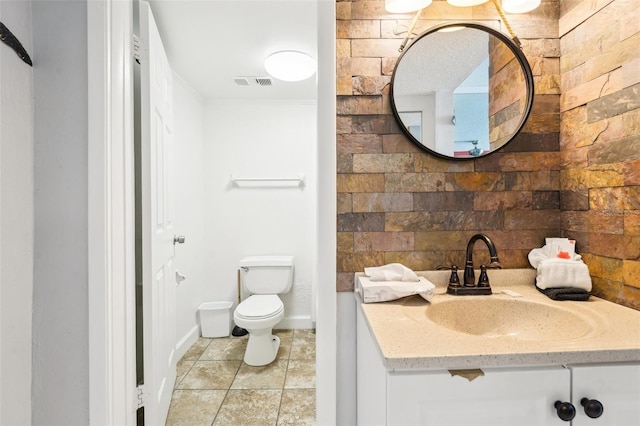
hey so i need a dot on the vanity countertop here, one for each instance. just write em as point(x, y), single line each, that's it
point(407, 339)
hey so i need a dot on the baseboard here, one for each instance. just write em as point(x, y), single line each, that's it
point(299, 322)
point(187, 340)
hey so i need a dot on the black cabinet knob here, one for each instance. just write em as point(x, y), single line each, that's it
point(592, 407)
point(566, 411)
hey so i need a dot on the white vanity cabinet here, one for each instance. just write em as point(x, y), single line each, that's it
point(503, 396)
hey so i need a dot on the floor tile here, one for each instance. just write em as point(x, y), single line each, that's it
point(210, 375)
point(194, 407)
point(307, 333)
point(298, 407)
point(283, 351)
point(303, 348)
point(284, 335)
point(301, 373)
point(194, 352)
point(265, 377)
point(182, 369)
point(249, 408)
point(225, 349)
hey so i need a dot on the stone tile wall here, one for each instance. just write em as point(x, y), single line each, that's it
point(399, 204)
point(600, 141)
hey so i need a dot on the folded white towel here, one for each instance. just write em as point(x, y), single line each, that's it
point(391, 272)
point(555, 273)
point(384, 291)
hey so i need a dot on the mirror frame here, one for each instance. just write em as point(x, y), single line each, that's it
point(515, 49)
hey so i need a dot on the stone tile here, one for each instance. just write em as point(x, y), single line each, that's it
point(353, 262)
point(249, 408)
point(344, 242)
point(443, 201)
point(344, 203)
point(182, 369)
point(532, 219)
point(283, 351)
point(368, 85)
point(210, 375)
point(359, 143)
point(414, 182)
point(503, 200)
point(269, 376)
point(631, 273)
point(225, 349)
point(361, 222)
point(365, 182)
point(298, 407)
point(359, 105)
point(382, 202)
point(486, 181)
point(194, 352)
point(383, 241)
point(285, 335)
point(194, 407)
point(546, 200)
point(306, 333)
point(301, 374)
point(344, 281)
point(382, 163)
point(303, 348)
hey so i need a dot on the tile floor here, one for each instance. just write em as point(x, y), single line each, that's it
point(215, 387)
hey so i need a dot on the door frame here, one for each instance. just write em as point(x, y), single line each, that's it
point(111, 280)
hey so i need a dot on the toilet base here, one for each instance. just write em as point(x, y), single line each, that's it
point(261, 349)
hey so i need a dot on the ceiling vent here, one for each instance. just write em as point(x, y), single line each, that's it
point(241, 81)
point(253, 81)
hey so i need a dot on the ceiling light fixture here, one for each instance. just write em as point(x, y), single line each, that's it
point(519, 6)
point(290, 65)
point(405, 6)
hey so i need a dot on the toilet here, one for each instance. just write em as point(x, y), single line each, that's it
point(263, 278)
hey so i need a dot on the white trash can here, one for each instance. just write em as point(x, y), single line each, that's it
point(215, 319)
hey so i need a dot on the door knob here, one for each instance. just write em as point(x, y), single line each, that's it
point(566, 411)
point(178, 239)
point(592, 407)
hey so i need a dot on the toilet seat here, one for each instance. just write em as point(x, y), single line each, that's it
point(259, 306)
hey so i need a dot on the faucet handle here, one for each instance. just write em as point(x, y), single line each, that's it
point(483, 280)
point(454, 280)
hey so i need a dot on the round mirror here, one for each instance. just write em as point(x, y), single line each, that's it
point(461, 90)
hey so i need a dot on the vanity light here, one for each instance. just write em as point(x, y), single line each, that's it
point(405, 6)
point(290, 65)
point(466, 3)
point(519, 6)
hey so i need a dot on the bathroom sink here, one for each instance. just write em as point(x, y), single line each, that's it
point(517, 319)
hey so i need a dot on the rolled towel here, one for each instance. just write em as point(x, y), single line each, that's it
point(566, 293)
point(391, 272)
point(558, 273)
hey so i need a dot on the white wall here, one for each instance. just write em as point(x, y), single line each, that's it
point(60, 297)
point(261, 139)
point(16, 219)
point(188, 121)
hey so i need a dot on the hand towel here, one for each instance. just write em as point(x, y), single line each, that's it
point(566, 293)
point(391, 272)
point(557, 273)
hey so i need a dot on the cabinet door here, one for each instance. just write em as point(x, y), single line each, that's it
point(616, 387)
point(371, 377)
point(500, 397)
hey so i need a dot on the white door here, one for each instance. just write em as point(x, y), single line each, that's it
point(157, 221)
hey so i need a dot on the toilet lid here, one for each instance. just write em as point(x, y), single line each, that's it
point(260, 306)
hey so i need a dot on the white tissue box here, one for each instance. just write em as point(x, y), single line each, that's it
point(384, 291)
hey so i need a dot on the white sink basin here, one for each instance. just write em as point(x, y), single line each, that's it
point(498, 317)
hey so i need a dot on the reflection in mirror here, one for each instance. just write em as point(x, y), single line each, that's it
point(462, 93)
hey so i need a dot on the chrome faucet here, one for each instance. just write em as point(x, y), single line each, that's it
point(469, 286)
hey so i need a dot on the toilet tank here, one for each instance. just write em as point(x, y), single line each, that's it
point(267, 274)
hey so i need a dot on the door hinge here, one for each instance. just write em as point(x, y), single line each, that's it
point(140, 395)
point(136, 48)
